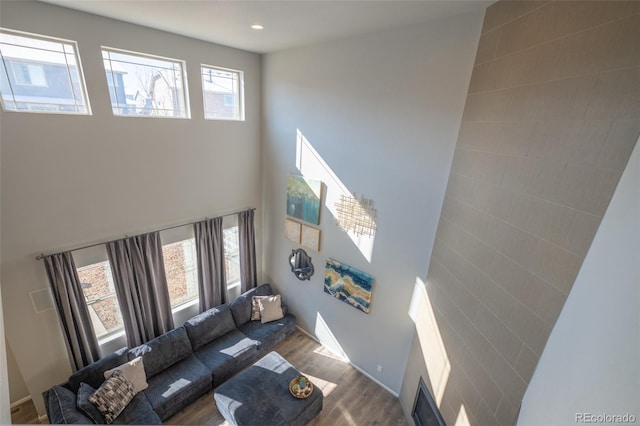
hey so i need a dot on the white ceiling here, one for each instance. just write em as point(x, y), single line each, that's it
point(286, 24)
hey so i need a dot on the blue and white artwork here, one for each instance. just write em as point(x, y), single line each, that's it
point(303, 198)
point(348, 284)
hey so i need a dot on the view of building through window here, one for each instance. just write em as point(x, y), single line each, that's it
point(232, 256)
point(180, 268)
point(222, 93)
point(100, 294)
point(180, 262)
point(40, 74)
point(144, 85)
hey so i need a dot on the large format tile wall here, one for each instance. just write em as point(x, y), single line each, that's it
point(551, 118)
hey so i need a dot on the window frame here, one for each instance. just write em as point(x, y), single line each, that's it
point(183, 70)
point(191, 300)
point(84, 93)
point(241, 101)
point(91, 256)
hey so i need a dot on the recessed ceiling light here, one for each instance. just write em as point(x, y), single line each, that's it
point(257, 27)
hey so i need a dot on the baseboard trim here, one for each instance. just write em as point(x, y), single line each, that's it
point(369, 376)
point(20, 401)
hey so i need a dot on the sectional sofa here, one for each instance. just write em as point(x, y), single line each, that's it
point(180, 366)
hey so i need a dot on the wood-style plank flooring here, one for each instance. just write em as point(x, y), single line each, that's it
point(350, 398)
point(25, 414)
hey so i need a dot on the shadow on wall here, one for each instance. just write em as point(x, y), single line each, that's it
point(312, 165)
point(433, 352)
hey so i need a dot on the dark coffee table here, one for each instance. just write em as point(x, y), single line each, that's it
point(260, 395)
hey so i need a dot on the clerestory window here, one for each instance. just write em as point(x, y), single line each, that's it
point(41, 74)
point(144, 85)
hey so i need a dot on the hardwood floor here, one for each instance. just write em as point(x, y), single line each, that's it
point(25, 414)
point(350, 398)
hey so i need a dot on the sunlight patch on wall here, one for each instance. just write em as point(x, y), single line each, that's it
point(312, 165)
point(431, 343)
point(326, 337)
point(462, 419)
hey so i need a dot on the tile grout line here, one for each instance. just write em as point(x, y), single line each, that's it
point(472, 323)
point(523, 343)
point(517, 17)
point(553, 80)
point(505, 255)
point(534, 46)
point(524, 193)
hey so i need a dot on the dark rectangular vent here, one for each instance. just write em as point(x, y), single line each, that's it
point(425, 411)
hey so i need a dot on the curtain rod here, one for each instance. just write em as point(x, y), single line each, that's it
point(42, 256)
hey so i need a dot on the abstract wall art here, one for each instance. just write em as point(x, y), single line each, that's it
point(303, 198)
point(348, 284)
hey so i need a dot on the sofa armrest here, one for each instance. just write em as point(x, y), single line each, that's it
point(60, 403)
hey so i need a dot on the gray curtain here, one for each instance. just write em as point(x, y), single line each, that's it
point(212, 281)
point(138, 272)
point(77, 328)
point(247, 237)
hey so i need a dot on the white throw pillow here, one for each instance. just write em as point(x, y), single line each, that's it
point(270, 308)
point(134, 372)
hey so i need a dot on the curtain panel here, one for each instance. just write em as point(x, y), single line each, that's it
point(80, 338)
point(138, 272)
point(212, 282)
point(247, 237)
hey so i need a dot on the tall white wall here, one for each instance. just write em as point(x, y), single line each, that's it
point(590, 363)
point(377, 115)
point(5, 411)
point(73, 180)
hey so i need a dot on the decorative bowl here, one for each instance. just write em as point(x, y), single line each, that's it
point(300, 387)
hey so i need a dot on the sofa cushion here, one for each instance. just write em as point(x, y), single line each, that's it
point(174, 388)
point(227, 354)
point(209, 325)
point(163, 351)
point(113, 396)
point(138, 412)
point(86, 406)
point(267, 335)
point(62, 407)
point(241, 307)
point(93, 374)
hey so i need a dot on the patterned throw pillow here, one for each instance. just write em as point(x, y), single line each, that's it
point(113, 396)
point(255, 307)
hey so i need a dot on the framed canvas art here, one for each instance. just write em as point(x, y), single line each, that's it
point(310, 237)
point(292, 230)
point(303, 198)
point(348, 284)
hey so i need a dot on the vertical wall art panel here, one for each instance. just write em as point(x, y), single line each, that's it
point(303, 198)
point(348, 284)
point(292, 230)
point(310, 237)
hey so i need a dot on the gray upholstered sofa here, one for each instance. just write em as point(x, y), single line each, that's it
point(180, 365)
